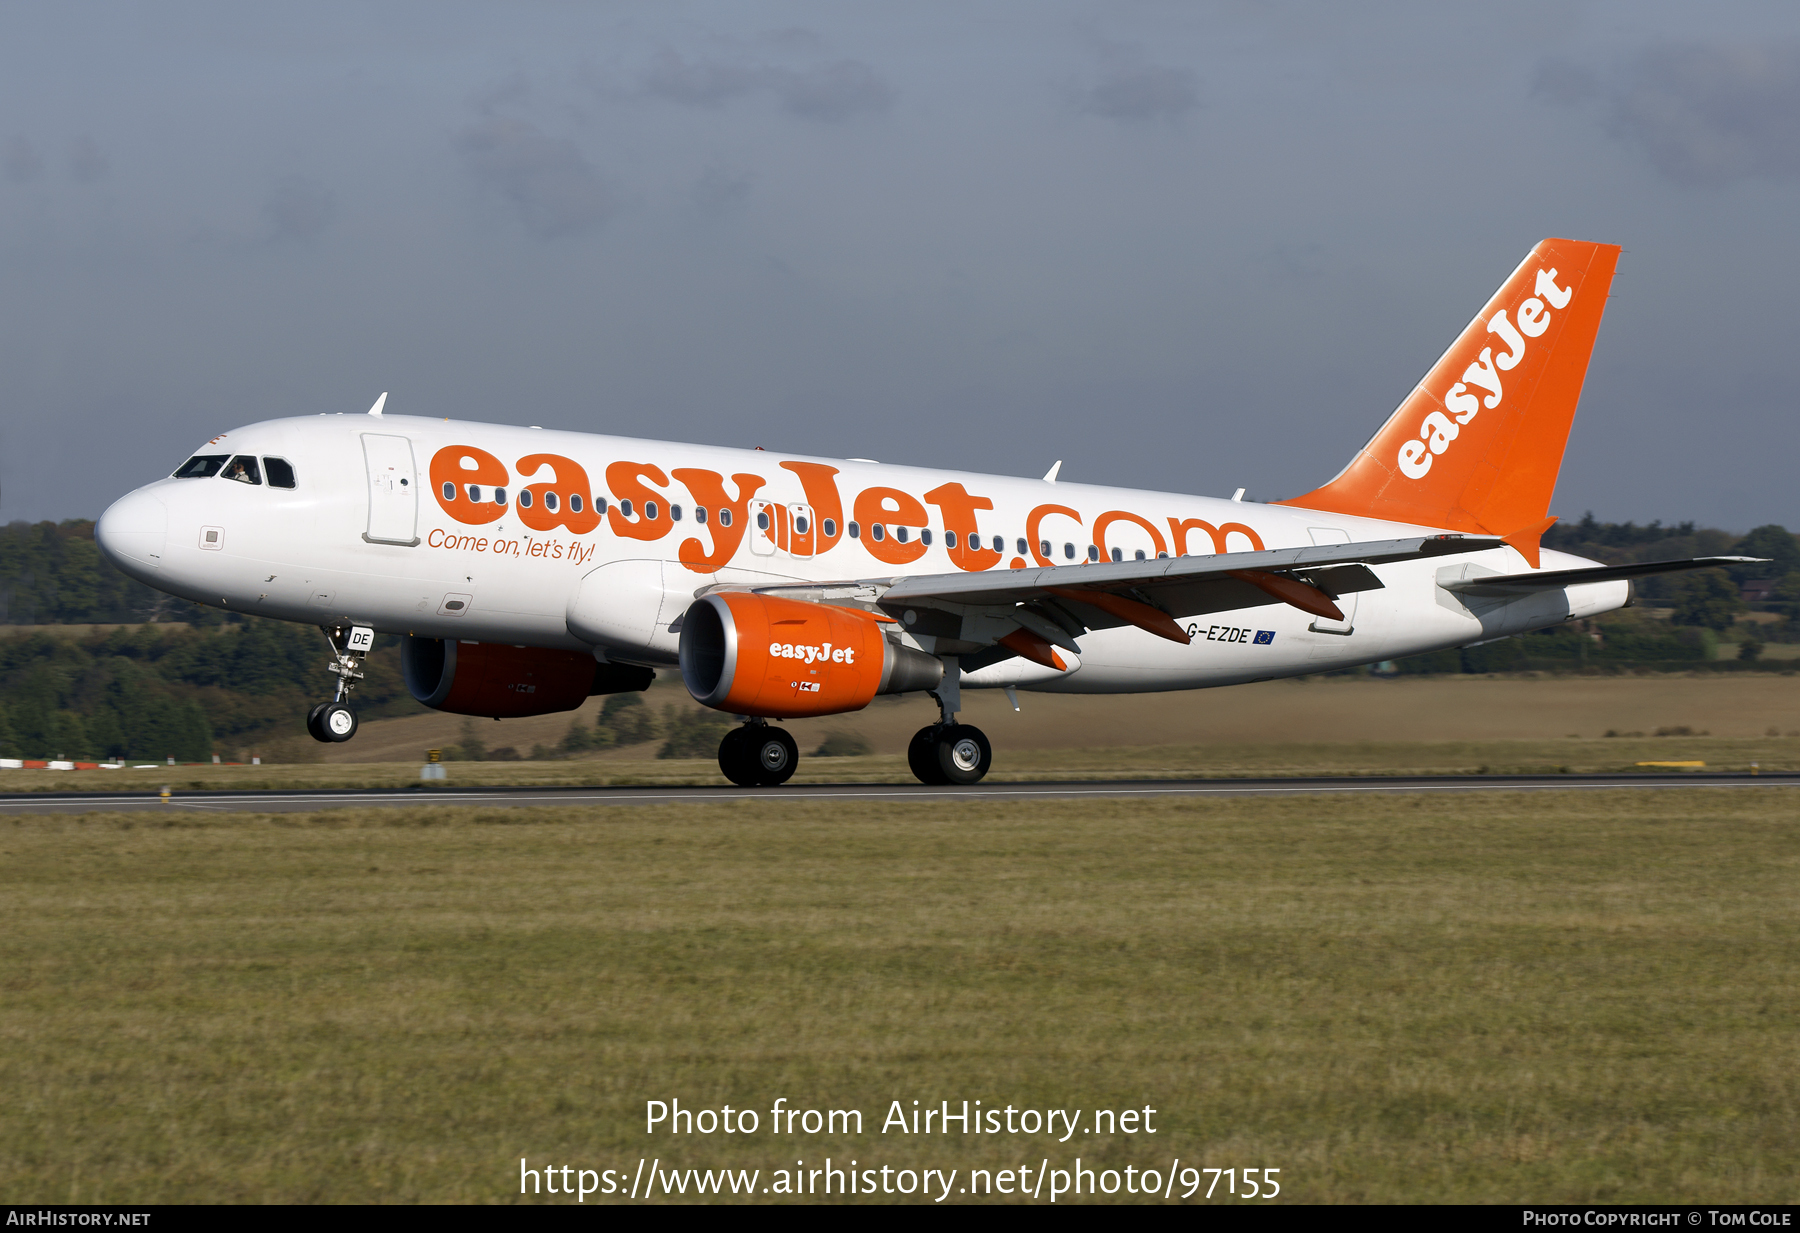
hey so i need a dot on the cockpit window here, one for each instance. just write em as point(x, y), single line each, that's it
point(201, 466)
point(244, 470)
point(280, 472)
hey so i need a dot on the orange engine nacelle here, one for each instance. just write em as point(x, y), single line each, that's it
point(506, 682)
point(786, 658)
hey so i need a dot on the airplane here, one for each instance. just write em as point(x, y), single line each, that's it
point(527, 570)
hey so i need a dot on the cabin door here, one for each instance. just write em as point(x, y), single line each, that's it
point(393, 490)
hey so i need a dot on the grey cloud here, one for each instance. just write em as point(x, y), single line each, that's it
point(1564, 81)
point(86, 162)
point(21, 161)
point(1139, 92)
point(827, 92)
point(699, 83)
point(1704, 114)
point(833, 91)
point(720, 189)
point(299, 209)
point(558, 192)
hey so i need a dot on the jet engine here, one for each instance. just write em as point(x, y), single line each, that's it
point(497, 681)
point(787, 658)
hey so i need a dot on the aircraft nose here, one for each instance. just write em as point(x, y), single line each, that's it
point(131, 533)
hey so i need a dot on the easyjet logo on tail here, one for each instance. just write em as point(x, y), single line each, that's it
point(1461, 404)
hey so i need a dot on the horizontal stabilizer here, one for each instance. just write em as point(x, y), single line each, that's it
point(1500, 585)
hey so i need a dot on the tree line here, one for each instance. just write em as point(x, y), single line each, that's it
point(178, 680)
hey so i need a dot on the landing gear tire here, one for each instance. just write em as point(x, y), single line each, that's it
point(758, 756)
point(312, 723)
point(735, 757)
point(921, 756)
point(950, 754)
point(337, 722)
point(774, 755)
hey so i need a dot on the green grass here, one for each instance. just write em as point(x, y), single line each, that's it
point(1584, 997)
point(1010, 765)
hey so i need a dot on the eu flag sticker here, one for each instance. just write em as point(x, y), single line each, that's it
point(1264, 637)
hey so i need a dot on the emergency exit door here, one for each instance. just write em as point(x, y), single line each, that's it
point(393, 490)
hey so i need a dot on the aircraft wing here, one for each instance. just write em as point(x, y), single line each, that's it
point(1028, 611)
point(1502, 585)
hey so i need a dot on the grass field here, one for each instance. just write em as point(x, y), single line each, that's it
point(1307, 711)
point(1010, 765)
point(1489, 997)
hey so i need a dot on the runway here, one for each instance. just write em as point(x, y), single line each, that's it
point(400, 798)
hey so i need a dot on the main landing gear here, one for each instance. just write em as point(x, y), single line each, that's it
point(334, 721)
point(758, 756)
point(947, 752)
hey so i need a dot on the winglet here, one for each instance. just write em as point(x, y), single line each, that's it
point(1525, 541)
point(1050, 475)
point(379, 404)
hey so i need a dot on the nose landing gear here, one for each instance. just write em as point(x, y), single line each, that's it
point(756, 755)
point(334, 722)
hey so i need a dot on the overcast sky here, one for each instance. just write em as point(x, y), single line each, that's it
point(1183, 246)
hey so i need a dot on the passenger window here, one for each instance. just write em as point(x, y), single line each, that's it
point(475, 493)
point(762, 520)
point(279, 471)
point(1044, 547)
point(575, 502)
point(674, 513)
point(201, 466)
point(1118, 554)
point(949, 538)
point(244, 470)
point(625, 507)
point(524, 497)
point(1069, 551)
point(999, 544)
point(724, 517)
point(1093, 553)
point(925, 536)
point(650, 510)
point(1140, 554)
point(878, 531)
point(1023, 550)
point(599, 505)
point(830, 525)
point(450, 492)
point(499, 496)
point(550, 501)
point(855, 530)
point(700, 514)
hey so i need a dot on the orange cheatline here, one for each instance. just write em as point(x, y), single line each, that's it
point(1150, 620)
point(1302, 595)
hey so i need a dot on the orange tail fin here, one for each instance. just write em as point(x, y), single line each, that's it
point(1477, 445)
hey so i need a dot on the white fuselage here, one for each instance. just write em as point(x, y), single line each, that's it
point(333, 550)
